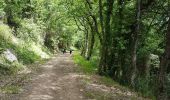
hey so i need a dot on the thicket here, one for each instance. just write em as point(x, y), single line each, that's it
point(31, 30)
point(130, 39)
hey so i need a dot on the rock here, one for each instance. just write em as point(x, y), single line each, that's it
point(155, 61)
point(81, 90)
point(9, 56)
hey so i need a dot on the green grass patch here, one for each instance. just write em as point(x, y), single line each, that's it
point(87, 67)
point(10, 69)
point(107, 81)
point(98, 95)
point(12, 89)
point(90, 68)
point(26, 56)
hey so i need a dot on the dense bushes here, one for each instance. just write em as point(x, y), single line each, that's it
point(30, 31)
point(26, 52)
point(128, 31)
point(26, 26)
point(26, 56)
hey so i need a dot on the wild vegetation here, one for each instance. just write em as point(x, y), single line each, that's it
point(126, 40)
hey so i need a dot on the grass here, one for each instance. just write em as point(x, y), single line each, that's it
point(87, 67)
point(90, 68)
point(107, 81)
point(12, 89)
point(27, 51)
point(98, 96)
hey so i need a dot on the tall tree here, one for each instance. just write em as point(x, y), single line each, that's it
point(106, 43)
point(134, 44)
point(164, 65)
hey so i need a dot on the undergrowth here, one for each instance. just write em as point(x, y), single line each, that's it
point(90, 68)
point(87, 67)
point(27, 52)
point(12, 89)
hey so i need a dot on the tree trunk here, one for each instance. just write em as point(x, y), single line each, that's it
point(135, 43)
point(90, 51)
point(106, 44)
point(117, 48)
point(91, 40)
point(164, 65)
point(85, 46)
point(101, 16)
point(94, 20)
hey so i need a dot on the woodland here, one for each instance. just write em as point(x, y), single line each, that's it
point(127, 40)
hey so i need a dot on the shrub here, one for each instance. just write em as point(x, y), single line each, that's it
point(30, 31)
point(146, 86)
point(88, 67)
point(5, 35)
point(24, 55)
point(7, 67)
point(22, 52)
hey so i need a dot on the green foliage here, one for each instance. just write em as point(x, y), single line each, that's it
point(30, 31)
point(28, 22)
point(12, 89)
point(66, 23)
point(125, 47)
point(88, 67)
point(2, 4)
point(22, 52)
point(26, 56)
point(5, 33)
point(7, 68)
point(146, 86)
point(108, 81)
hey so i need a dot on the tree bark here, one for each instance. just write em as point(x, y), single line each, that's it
point(106, 44)
point(91, 46)
point(101, 16)
point(94, 20)
point(135, 43)
point(91, 39)
point(164, 65)
point(119, 34)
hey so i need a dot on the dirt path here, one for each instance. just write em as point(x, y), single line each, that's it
point(57, 81)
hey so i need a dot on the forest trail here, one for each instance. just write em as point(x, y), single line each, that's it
point(57, 81)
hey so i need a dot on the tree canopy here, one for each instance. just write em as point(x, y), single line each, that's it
point(129, 39)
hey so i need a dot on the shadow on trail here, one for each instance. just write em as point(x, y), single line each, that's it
point(57, 81)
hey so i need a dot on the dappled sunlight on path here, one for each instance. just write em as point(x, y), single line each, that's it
point(57, 81)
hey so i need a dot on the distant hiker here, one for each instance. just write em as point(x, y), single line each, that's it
point(64, 50)
point(71, 51)
point(1, 20)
